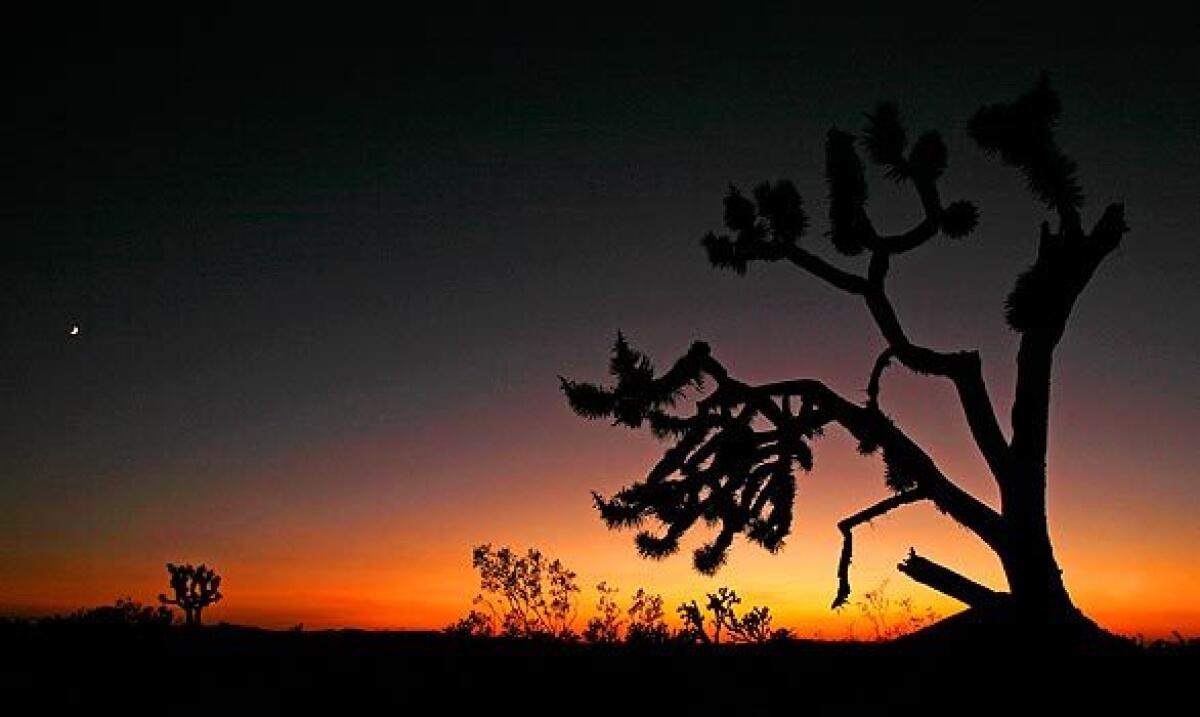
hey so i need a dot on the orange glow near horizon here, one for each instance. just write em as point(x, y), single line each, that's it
point(379, 554)
point(324, 295)
point(375, 529)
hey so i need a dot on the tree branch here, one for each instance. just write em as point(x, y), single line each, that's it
point(963, 368)
point(928, 227)
point(948, 582)
point(818, 267)
point(881, 363)
point(873, 428)
point(1063, 269)
point(847, 525)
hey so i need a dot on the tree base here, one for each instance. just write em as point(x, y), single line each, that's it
point(1002, 629)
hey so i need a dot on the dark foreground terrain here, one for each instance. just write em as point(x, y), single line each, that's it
point(60, 668)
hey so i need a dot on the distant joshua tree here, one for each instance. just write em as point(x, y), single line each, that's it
point(733, 458)
point(754, 626)
point(195, 588)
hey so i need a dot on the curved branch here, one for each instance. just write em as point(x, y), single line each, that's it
point(963, 368)
point(818, 267)
point(881, 363)
point(847, 525)
point(873, 428)
point(926, 229)
point(743, 478)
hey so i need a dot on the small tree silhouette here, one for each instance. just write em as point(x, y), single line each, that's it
point(647, 625)
point(605, 627)
point(195, 588)
point(733, 459)
point(531, 595)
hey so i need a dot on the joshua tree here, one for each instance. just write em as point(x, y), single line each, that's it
point(195, 588)
point(755, 626)
point(733, 457)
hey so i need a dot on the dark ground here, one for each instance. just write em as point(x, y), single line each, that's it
point(53, 669)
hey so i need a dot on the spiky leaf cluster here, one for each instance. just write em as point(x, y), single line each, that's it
point(1021, 133)
point(885, 140)
point(638, 396)
point(761, 229)
point(959, 219)
point(720, 470)
point(848, 226)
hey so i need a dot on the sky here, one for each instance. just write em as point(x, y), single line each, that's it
point(324, 292)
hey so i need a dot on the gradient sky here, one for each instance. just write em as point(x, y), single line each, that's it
point(324, 294)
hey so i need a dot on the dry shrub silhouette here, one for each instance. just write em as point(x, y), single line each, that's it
point(647, 620)
point(734, 457)
point(125, 611)
point(525, 595)
point(890, 617)
point(194, 589)
point(605, 627)
point(533, 596)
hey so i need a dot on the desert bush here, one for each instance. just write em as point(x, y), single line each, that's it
point(526, 595)
point(125, 611)
point(889, 617)
point(605, 627)
point(647, 624)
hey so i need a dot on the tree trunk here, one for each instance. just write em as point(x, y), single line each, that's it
point(1034, 578)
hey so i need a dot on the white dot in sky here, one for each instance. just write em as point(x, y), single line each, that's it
point(74, 330)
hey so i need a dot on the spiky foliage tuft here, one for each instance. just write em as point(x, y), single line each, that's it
point(725, 253)
point(1021, 133)
point(1026, 303)
point(847, 193)
point(868, 446)
point(639, 395)
point(927, 160)
point(618, 513)
point(709, 558)
point(959, 219)
point(782, 208)
point(762, 228)
point(720, 470)
point(588, 400)
point(739, 213)
point(656, 547)
point(896, 474)
point(886, 141)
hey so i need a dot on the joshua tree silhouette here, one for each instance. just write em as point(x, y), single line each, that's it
point(195, 588)
point(732, 460)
